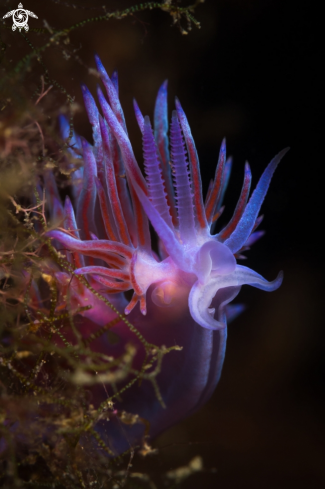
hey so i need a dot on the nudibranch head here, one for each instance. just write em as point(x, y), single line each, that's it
point(108, 236)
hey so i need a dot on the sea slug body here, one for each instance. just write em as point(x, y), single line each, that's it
point(181, 294)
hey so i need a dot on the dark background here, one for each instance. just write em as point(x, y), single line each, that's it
point(252, 73)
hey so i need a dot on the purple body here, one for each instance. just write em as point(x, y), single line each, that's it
point(180, 297)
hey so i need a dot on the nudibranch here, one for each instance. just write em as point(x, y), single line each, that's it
point(181, 293)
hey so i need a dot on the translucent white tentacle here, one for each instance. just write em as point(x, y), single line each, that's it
point(201, 295)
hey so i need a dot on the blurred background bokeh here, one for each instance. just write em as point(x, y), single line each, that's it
point(251, 74)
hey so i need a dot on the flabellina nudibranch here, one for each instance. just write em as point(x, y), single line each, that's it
point(181, 294)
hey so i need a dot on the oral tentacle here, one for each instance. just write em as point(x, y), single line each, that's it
point(100, 245)
point(201, 295)
point(214, 256)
